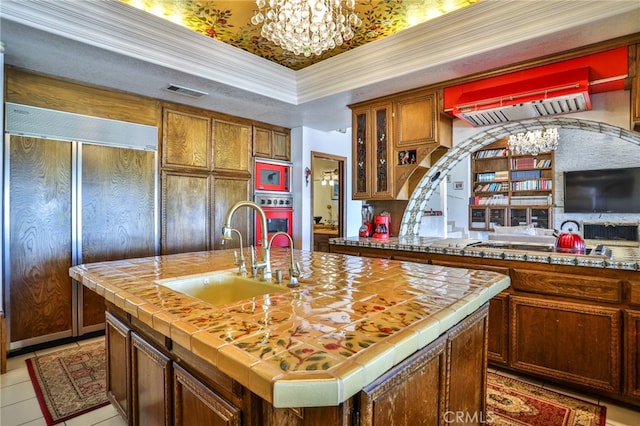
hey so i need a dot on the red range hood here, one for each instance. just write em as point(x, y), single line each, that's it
point(559, 88)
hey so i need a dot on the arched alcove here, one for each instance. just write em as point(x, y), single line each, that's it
point(417, 203)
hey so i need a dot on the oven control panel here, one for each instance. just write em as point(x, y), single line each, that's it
point(274, 200)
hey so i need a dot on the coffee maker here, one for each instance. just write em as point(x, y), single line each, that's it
point(366, 230)
point(381, 226)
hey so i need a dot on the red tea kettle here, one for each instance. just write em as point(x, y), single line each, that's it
point(568, 242)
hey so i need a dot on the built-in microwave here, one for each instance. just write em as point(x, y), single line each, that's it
point(272, 176)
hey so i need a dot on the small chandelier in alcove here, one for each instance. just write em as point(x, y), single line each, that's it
point(534, 142)
point(329, 177)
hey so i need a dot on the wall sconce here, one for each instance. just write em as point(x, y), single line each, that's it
point(307, 173)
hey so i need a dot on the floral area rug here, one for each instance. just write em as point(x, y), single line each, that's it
point(511, 402)
point(69, 382)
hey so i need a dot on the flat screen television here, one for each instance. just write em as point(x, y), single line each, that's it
point(602, 191)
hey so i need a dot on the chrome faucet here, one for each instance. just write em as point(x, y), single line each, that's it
point(294, 267)
point(242, 267)
point(263, 264)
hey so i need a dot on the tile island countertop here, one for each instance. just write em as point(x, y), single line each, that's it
point(351, 319)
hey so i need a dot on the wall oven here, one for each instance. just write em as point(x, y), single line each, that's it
point(278, 208)
point(272, 176)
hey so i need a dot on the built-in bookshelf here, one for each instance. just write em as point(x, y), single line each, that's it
point(510, 190)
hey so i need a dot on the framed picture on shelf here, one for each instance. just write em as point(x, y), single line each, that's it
point(335, 191)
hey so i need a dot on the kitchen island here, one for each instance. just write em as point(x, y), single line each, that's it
point(573, 319)
point(358, 339)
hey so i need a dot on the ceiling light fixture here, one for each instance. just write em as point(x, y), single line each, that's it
point(534, 143)
point(307, 27)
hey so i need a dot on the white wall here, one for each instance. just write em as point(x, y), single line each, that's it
point(303, 141)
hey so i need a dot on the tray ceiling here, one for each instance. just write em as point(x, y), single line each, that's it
point(230, 22)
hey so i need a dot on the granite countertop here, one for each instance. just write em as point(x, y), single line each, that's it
point(622, 257)
point(350, 320)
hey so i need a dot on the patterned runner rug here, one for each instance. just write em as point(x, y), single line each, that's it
point(69, 382)
point(511, 402)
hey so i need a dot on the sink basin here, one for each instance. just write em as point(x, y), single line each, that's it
point(219, 288)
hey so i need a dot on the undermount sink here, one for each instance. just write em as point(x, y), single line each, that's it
point(219, 288)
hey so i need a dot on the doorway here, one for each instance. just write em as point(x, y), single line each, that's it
point(327, 199)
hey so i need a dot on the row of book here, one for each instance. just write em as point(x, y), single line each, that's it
point(531, 200)
point(532, 185)
point(492, 176)
point(492, 187)
point(526, 174)
point(529, 163)
point(491, 153)
point(494, 200)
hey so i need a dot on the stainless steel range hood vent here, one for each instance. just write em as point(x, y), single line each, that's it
point(540, 108)
point(540, 96)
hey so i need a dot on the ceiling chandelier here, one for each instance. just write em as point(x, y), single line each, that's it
point(307, 27)
point(329, 177)
point(534, 142)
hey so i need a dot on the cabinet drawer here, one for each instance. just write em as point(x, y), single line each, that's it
point(498, 269)
point(634, 292)
point(568, 285)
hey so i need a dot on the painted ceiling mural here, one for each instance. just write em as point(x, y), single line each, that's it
point(230, 22)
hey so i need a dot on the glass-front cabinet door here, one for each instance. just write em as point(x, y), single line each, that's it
point(361, 162)
point(518, 217)
point(497, 217)
point(540, 218)
point(382, 167)
point(483, 218)
point(478, 218)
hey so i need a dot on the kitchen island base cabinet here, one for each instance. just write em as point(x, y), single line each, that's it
point(195, 404)
point(446, 376)
point(118, 344)
point(547, 335)
point(438, 384)
point(632, 353)
point(151, 384)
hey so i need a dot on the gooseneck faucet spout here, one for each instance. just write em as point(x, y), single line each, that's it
point(265, 263)
point(294, 267)
point(238, 260)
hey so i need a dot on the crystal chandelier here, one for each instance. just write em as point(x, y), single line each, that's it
point(307, 27)
point(534, 143)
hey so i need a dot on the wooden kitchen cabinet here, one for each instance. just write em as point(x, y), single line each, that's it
point(196, 404)
point(151, 374)
point(372, 165)
point(186, 139)
point(415, 388)
point(574, 343)
point(273, 142)
point(118, 365)
point(632, 353)
point(231, 151)
point(226, 192)
point(395, 141)
point(498, 350)
point(186, 212)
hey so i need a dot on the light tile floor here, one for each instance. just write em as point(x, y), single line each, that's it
point(18, 404)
